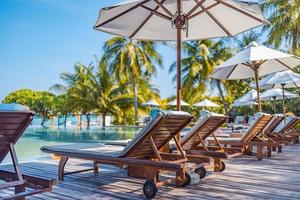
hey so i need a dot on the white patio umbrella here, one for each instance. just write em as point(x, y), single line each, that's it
point(245, 103)
point(285, 79)
point(179, 20)
point(247, 99)
point(254, 61)
point(174, 103)
point(274, 94)
point(249, 96)
point(151, 103)
point(206, 103)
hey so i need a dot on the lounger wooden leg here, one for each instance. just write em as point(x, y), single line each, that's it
point(180, 177)
point(96, 167)
point(269, 154)
point(19, 189)
point(61, 167)
point(280, 149)
point(259, 153)
point(217, 164)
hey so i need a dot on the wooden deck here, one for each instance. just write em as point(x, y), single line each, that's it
point(244, 178)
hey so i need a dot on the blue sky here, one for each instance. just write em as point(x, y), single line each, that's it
point(42, 38)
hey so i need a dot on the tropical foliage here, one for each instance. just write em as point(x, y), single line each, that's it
point(42, 102)
point(284, 28)
point(131, 61)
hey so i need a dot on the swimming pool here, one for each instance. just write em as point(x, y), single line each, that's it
point(28, 146)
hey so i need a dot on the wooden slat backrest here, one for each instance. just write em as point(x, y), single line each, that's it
point(161, 129)
point(256, 129)
point(12, 126)
point(201, 130)
point(272, 125)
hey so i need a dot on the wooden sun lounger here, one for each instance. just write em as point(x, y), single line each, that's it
point(287, 132)
point(269, 132)
point(193, 143)
point(141, 155)
point(12, 125)
point(253, 137)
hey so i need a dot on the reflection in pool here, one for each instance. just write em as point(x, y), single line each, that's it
point(28, 146)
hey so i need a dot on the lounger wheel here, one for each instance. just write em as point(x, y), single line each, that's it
point(188, 179)
point(150, 189)
point(201, 171)
point(223, 166)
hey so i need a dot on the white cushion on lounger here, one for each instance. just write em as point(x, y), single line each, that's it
point(204, 113)
point(256, 117)
point(283, 124)
point(199, 123)
point(13, 107)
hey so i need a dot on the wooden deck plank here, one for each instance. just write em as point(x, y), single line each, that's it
point(244, 178)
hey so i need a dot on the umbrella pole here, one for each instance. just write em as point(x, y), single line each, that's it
point(274, 104)
point(283, 104)
point(257, 87)
point(179, 5)
point(178, 69)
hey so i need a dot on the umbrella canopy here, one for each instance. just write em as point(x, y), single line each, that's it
point(249, 96)
point(174, 103)
point(272, 94)
point(206, 103)
point(168, 19)
point(247, 99)
point(244, 103)
point(151, 103)
point(155, 19)
point(287, 78)
point(254, 61)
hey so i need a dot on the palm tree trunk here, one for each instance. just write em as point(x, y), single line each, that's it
point(135, 101)
point(88, 119)
point(65, 120)
point(124, 117)
point(222, 96)
point(103, 119)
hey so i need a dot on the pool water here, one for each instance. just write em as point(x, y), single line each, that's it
point(28, 146)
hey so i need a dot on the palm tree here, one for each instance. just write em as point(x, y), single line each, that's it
point(197, 65)
point(284, 27)
point(78, 89)
point(247, 38)
point(202, 57)
point(131, 61)
point(108, 96)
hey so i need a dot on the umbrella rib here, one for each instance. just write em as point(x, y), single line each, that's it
point(159, 14)
point(202, 11)
point(198, 4)
point(122, 13)
point(231, 71)
point(160, 4)
point(144, 22)
point(216, 21)
point(241, 11)
point(283, 64)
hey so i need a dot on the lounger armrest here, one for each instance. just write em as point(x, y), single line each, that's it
point(208, 153)
point(30, 181)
